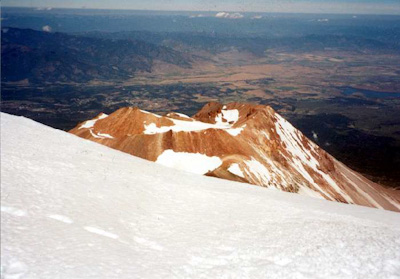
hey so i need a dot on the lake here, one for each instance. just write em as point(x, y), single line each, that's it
point(369, 93)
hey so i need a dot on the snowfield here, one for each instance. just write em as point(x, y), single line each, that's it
point(72, 208)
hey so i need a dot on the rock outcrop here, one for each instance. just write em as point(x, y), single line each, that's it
point(241, 142)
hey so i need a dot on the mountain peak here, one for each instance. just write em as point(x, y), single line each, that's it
point(241, 142)
point(211, 110)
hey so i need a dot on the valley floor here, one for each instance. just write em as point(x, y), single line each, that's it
point(335, 98)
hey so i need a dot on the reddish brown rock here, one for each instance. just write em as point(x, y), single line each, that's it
point(241, 142)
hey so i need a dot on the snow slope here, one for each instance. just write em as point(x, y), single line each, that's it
point(72, 208)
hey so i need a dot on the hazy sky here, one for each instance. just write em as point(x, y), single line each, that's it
point(302, 6)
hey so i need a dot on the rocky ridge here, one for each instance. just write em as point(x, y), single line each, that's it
point(240, 142)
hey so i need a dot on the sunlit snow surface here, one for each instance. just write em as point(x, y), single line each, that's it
point(72, 208)
point(190, 162)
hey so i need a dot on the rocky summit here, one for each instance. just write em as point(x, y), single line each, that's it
point(240, 142)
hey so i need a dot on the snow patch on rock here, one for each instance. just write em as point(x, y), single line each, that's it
point(301, 156)
point(308, 192)
point(257, 169)
point(100, 135)
point(234, 169)
point(152, 129)
point(90, 123)
point(190, 162)
point(181, 115)
point(230, 116)
point(147, 112)
point(235, 131)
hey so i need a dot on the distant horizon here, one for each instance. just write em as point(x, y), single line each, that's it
point(49, 8)
point(351, 7)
